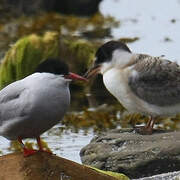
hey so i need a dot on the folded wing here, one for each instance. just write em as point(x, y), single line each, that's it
point(157, 81)
point(11, 102)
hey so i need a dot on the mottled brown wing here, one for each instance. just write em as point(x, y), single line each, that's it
point(157, 82)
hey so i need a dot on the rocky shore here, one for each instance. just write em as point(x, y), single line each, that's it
point(133, 154)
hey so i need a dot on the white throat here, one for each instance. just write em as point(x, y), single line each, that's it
point(119, 60)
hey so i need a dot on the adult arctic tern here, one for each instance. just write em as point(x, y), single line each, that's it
point(31, 106)
point(142, 83)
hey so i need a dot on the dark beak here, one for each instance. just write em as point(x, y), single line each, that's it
point(95, 69)
point(75, 77)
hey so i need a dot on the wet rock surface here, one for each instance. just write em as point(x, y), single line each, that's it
point(166, 176)
point(133, 154)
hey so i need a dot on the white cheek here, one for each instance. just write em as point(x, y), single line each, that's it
point(121, 58)
point(105, 67)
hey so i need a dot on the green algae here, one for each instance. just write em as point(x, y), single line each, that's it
point(14, 28)
point(78, 52)
point(111, 117)
point(128, 39)
point(118, 176)
point(16, 147)
point(101, 118)
point(97, 33)
point(24, 56)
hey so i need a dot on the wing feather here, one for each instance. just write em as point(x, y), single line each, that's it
point(11, 98)
point(157, 82)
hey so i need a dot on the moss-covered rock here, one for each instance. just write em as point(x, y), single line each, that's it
point(24, 56)
point(118, 176)
point(78, 52)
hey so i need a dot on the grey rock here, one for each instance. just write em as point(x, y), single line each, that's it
point(166, 176)
point(135, 155)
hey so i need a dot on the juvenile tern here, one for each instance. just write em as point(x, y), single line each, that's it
point(31, 106)
point(142, 83)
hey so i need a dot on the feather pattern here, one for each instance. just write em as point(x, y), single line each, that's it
point(157, 82)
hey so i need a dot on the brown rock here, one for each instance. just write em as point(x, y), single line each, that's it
point(43, 166)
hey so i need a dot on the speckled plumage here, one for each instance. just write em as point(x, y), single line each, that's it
point(157, 81)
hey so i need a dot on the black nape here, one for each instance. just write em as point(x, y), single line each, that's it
point(53, 65)
point(104, 53)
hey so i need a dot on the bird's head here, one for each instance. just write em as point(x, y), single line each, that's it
point(109, 55)
point(58, 67)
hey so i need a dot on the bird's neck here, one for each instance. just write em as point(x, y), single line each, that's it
point(119, 60)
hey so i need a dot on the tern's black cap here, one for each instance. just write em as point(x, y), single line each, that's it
point(54, 66)
point(104, 53)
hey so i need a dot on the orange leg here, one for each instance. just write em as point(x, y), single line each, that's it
point(40, 145)
point(27, 152)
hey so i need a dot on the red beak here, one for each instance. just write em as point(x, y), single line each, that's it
point(75, 76)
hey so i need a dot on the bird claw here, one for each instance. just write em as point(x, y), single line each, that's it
point(29, 152)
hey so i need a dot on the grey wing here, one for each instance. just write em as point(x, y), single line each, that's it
point(11, 101)
point(157, 82)
point(10, 92)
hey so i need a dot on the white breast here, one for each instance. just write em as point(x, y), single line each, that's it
point(116, 81)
